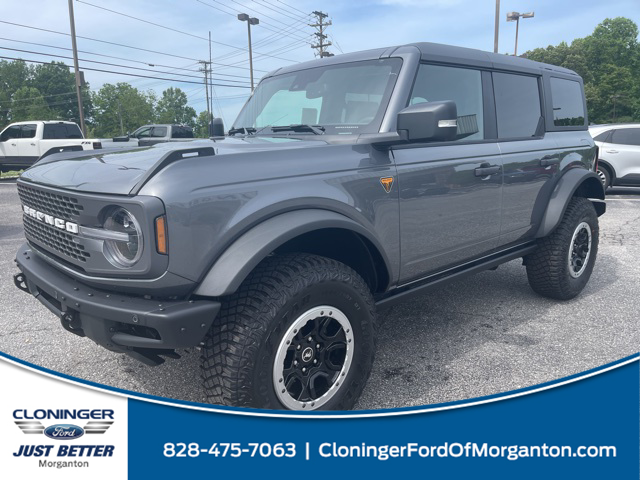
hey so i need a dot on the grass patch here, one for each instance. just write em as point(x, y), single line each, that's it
point(12, 173)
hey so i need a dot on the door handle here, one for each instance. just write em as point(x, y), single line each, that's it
point(611, 151)
point(548, 160)
point(485, 170)
point(32, 144)
point(13, 144)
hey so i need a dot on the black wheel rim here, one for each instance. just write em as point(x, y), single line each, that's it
point(580, 250)
point(313, 357)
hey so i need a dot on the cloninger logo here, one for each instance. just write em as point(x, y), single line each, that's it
point(30, 423)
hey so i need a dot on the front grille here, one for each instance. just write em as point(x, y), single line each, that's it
point(54, 239)
point(61, 206)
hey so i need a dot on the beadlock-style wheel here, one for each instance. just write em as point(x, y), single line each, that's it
point(580, 250)
point(315, 354)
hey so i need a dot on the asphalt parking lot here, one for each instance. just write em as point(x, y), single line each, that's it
point(479, 336)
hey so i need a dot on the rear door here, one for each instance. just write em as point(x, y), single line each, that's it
point(623, 152)
point(530, 158)
point(449, 213)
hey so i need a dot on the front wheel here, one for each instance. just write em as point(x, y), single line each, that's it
point(562, 264)
point(299, 335)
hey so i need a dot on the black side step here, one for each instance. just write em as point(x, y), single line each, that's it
point(417, 287)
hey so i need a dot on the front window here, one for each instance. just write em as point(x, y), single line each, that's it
point(341, 99)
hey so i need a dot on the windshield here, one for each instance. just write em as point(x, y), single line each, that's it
point(344, 99)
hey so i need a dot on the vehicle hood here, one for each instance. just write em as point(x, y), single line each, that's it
point(118, 171)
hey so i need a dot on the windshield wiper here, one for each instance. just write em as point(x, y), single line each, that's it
point(317, 129)
point(243, 130)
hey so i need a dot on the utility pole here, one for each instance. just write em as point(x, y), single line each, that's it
point(206, 84)
point(76, 67)
point(495, 36)
point(120, 117)
point(211, 87)
point(320, 24)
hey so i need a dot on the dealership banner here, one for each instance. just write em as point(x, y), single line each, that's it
point(56, 426)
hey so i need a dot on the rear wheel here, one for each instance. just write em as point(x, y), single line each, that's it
point(605, 176)
point(562, 264)
point(299, 334)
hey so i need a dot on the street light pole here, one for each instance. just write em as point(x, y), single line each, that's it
point(243, 17)
point(495, 36)
point(515, 17)
point(76, 67)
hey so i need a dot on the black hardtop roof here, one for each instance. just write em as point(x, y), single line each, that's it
point(439, 53)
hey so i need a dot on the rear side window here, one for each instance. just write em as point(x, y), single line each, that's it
point(181, 132)
point(61, 131)
point(517, 105)
point(568, 107)
point(461, 85)
point(29, 131)
point(626, 136)
point(159, 132)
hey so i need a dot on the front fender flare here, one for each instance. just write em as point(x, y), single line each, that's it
point(577, 178)
point(237, 261)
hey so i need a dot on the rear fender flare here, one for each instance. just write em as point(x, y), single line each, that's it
point(585, 183)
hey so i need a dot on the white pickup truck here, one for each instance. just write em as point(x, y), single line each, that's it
point(22, 143)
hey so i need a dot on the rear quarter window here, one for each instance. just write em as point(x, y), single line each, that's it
point(602, 137)
point(60, 131)
point(568, 104)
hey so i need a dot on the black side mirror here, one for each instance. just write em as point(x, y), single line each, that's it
point(429, 121)
point(216, 127)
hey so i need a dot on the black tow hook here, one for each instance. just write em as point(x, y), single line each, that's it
point(21, 282)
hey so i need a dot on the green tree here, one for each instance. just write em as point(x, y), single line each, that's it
point(28, 104)
point(201, 129)
point(13, 75)
point(56, 81)
point(173, 108)
point(609, 62)
point(121, 101)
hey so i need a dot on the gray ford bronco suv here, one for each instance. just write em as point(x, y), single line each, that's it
point(346, 184)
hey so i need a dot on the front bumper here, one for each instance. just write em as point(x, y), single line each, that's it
point(141, 327)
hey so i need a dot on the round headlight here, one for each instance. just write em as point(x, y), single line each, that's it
point(126, 252)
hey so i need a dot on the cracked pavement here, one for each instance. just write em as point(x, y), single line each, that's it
point(482, 335)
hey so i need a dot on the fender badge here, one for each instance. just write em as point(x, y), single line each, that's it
point(387, 183)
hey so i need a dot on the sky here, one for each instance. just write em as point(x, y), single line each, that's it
point(178, 30)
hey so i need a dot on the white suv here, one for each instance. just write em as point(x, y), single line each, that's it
point(619, 160)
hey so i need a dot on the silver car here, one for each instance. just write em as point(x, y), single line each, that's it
point(619, 160)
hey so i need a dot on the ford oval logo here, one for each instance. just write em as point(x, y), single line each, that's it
point(63, 431)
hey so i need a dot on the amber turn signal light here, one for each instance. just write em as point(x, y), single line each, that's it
point(161, 235)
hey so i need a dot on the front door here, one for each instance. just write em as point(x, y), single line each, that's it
point(9, 147)
point(450, 195)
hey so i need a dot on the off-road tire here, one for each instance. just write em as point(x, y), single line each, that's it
point(239, 351)
point(548, 268)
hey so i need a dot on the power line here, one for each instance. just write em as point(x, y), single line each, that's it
point(142, 62)
point(172, 29)
point(262, 23)
point(176, 80)
point(118, 44)
point(304, 17)
point(113, 64)
point(291, 6)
